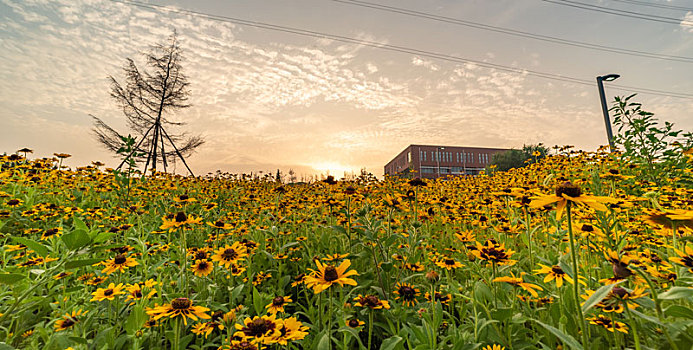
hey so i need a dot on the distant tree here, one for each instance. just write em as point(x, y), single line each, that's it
point(278, 177)
point(148, 98)
point(292, 176)
point(516, 158)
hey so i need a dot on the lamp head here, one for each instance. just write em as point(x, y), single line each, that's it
point(610, 77)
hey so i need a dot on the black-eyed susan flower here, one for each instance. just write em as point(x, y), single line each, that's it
point(554, 272)
point(182, 307)
point(108, 293)
point(202, 268)
point(277, 304)
point(493, 347)
point(172, 222)
point(494, 252)
point(448, 263)
point(291, 329)
point(68, 320)
point(606, 322)
point(685, 258)
point(568, 192)
point(327, 275)
point(371, 301)
point(407, 293)
point(228, 255)
point(119, 263)
point(519, 282)
point(259, 330)
point(354, 323)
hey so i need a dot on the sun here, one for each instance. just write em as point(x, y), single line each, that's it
point(332, 168)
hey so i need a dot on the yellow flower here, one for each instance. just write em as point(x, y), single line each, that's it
point(519, 282)
point(108, 293)
point(202, 268)
point(230, 254)
point(119, 263)
point(554, 273)
point(327, 275)
point(277, 304)
point(567, 192)
point(259, 329)
point(179, 307)
point(371, 302)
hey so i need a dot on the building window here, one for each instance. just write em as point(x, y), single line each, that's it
point(408, 157)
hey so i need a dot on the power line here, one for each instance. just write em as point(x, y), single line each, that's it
point(661, 6)
point(396, 48)
point(508, 31)
point(624, 13)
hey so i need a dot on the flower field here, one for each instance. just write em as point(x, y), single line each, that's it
point(94, 260)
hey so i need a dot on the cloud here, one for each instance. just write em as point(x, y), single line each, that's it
point(687, 22)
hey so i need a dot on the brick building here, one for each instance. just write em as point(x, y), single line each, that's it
point(431, 161)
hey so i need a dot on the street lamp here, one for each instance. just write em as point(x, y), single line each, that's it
point(438, 154)
point(607, 122)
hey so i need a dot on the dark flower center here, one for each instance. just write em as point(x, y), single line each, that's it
point(258, 327)
point(557, 270)
point(330, 273)
point(371, 301)
point(119, 259)
point(229, 254)
point(181, 303)
point(587, 228)
point(181, 217)
point(278, 301)
point(108, 292)
point(568, 189)
point(183, 197)
point(12, 202)
point(68, 323)
point(202, 265)
point(219, 223)
point(449, 262)
point(199, 255)
point(353, 323)
point(137, 293)
point(407, 292)
point(620, 292)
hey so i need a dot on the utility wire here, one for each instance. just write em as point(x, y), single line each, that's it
point(624, 13)
point(508, 31)
point(395, 48)
point(651, 4)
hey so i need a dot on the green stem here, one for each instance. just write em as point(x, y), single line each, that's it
point(370, 328)
point(576, 277)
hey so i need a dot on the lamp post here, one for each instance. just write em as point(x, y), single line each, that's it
point(438, 154)
point(605, 110)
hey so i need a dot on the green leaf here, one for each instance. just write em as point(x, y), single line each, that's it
point(103, 237)
point(565, 338)
point(258, 303)
point(11, 278)
point(79, 224)
point(72, 264)
point(76, 239)
point(4, 346)
point(39, 248)
point(391, 343)
point(676, 293)
point(136, 319)
point(324, 343)
point(679, 311)
point(598, 296)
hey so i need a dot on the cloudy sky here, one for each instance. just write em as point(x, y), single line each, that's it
point(267, 99)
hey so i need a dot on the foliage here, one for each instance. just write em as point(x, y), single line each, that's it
point(515, 158)
point(463, 263)
point(655, 150)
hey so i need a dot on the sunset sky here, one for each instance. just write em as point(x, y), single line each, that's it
point(268, 99)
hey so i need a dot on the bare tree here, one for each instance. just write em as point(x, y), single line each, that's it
point(148, 99)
